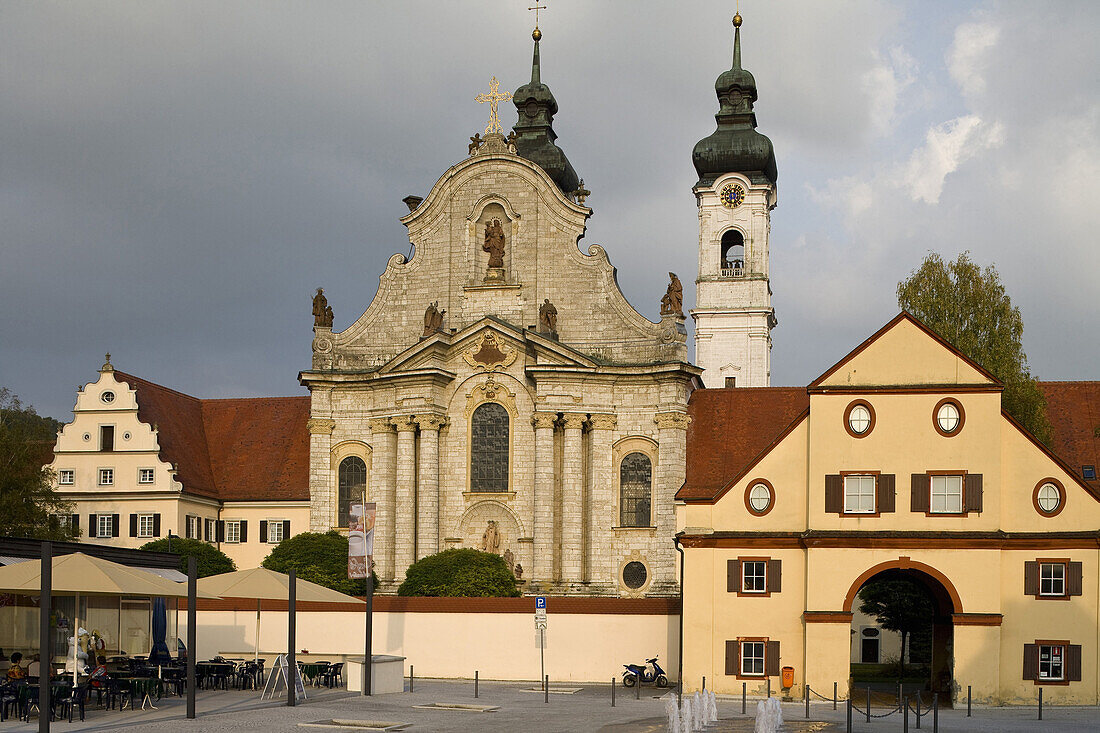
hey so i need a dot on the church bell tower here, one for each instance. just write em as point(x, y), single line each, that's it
point(735, 193)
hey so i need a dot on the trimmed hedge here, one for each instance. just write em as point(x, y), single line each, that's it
point(459, 572)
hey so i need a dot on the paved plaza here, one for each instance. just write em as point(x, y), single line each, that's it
point(587, 710)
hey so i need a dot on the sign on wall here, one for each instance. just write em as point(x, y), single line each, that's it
point(360, 540)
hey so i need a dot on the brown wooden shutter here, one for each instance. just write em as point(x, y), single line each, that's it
point(219, 531)
point(74, 524)
point(1074, 577)
point(733, 576)
point(93, 525)
point(286, 529)
point(244, 530)
point(775, 576)
point(884, 493)
point(156, 525)
point(919, 496)
point(972, 498)
point(133, 525)
point(1073, 662)
point(771, 659)
point(1031, 578)
point(263, 530)
point(1031, 661)
point(114, 525)
point(834, 493)
point(733, 657)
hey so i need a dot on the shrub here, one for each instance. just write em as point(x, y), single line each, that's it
point(211, 560)
point(320, 558)
point(459, 573)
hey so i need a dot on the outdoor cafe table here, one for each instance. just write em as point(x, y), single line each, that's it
point(146, 687)
point(313, 670)
point(205, 670)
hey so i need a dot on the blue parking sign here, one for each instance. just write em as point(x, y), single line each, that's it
point(540, 601)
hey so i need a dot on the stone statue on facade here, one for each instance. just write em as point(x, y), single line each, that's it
point(494, 243)
point(490, 539)
point(548, 317)
point(518, 571)
point(510, 560)
point(475, 143)
point(433, 319)
point(672, 304)
point(322, 312)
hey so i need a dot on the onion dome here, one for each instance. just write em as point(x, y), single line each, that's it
point(736, 146)
point(534, 132)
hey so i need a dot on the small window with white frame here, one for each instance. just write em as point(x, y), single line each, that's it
point(233, 531)
point(145, 525)
point(146, 475)
point(1052, 658)
point(211, 527)
point(194, 527)
point(105, 526)
point(859, 494)
point(66, 477)
point(754, 576)
point(1052, 579)
point(947, 495)
point(274, 531)
point(106, 477)
point(752, 658)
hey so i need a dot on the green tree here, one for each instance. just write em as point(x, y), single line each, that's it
point(459, 572)
point(210, 560)
point(320, 558)
point(29, 504)
point(968, 307)
point(898, 605)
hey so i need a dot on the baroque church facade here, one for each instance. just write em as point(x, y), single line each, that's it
point(500, 393)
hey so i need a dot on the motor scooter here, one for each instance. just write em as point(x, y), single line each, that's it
point(648, 673)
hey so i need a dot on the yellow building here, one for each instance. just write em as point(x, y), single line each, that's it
point(897, 462)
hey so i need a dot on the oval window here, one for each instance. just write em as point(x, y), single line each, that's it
point(859, 419)
point(759, 498)
point(948, 417)
point(1049, 498)
point(634, 575)
point(107, 397)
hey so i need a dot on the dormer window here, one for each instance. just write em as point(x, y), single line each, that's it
point(733, 254)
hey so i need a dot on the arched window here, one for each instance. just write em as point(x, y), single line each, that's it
point(352, 484)
point(733, 254)
point(489, 448)
point(635, 490)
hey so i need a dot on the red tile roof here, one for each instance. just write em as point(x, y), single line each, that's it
point(233, 450)
point(731, 429)
point(1073, 409)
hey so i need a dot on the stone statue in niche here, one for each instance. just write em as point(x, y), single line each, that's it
point(548, 317)
point(490, 539)
point(510, 561)
point(494, 244)
point(433, 319)
point(672, 304)
point(518, 571)
point(322, 312)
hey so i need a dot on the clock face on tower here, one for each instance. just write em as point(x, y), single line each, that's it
point(732, 195)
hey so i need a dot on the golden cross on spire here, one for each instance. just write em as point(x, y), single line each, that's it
point(536, 7)
point(492, 98)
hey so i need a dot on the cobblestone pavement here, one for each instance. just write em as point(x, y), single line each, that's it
point(587, 710)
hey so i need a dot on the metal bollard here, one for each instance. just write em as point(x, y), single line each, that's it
point(410, 678)
point(868, 704)
point(848, 716)
point(637, 687)
point(905, 717)
point(918, 709)
point(834, 696)
point(612, 692)
point(968, 690)
point(806, 693)
point(935, 712)
point(744, 687)
point(704, 682)
point(475, 684)
point(546, 689)
point(769, 687)
point(899, 693)
point(1040, 703)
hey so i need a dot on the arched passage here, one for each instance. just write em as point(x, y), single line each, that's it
point(930, 654)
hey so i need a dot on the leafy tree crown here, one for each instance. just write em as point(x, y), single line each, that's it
point(210, 560)
point(320, 558)
point(459, 572)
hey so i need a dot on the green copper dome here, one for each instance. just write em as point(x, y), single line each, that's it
point(736, 146)
point(534, 131)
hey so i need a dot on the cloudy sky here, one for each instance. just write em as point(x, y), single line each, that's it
point(177, 177)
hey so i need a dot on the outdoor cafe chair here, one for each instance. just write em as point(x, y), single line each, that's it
point(334, 677)
point(9, 699)
point(74, 700)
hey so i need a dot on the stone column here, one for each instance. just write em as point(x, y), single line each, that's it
point(601, 500)
point(543, 521)
point(405, 494)
point(671, 467)
point(427, 528)
point(383, 487)
point(322, 489)
point(572, 500)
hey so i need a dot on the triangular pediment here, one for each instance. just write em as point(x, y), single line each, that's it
point(904, 353)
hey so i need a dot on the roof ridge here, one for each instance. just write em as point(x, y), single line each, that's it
point(127, 376)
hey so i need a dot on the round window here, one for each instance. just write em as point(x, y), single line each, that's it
point(634, 574)
point(859, 419)
point(87, 436)
point(125, 436)
point(107, 397)
point(759, 497)
point(948, 417)
point(1049, 498)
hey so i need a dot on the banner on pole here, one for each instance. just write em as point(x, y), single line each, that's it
point(361, 540)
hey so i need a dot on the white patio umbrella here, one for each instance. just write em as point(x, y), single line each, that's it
point(83, 575)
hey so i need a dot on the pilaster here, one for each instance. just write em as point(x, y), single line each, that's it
point(543, 521)
point(322, 489)
point(427, 531)
point(383, 482)
point(601, 500)
point(671, 473)
point(572, 504)
point(405, 493)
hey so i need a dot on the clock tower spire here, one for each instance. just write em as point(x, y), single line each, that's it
point(735, 193)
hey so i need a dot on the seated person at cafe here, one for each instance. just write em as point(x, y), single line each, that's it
point(98, 677)
point(34, 668)
point(15, 672)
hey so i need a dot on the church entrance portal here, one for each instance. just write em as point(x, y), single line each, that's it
point(920, 599)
